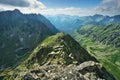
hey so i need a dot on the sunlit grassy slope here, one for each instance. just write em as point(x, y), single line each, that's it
point(109, 56)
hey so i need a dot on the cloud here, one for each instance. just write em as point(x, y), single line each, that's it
point(109, 7)
point(38, 7)
point(106, 7)
point(107, 1)
point(22, 3)
point(68, 11)
point(25, 6)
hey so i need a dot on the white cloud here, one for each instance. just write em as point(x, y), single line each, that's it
point(33, 7)
point(38, 7)
point(21, 3)
point(106, 1)
point(109, 7)
point(68, 11)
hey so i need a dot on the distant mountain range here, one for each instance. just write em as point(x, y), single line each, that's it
point(67, 23)
point(20, 33)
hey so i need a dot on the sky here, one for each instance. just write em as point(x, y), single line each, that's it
point(70, 3)
point(67, 7)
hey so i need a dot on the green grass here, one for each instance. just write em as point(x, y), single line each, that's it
point(52, 39)
point(111, 68)
point(106, 54)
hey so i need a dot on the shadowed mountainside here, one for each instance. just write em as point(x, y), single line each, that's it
point(19, 34)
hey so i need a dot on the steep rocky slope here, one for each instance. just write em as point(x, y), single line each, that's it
point(58, 57)
point(19, 34)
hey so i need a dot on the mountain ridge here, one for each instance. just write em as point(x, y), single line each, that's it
point(55, 58)
point(105, 34)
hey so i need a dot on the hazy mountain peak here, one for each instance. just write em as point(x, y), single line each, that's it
point(16, 10)
point(98, 15)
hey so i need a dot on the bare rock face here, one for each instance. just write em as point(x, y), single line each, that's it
point(59, 57)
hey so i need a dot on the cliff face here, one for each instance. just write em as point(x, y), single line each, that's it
point(58, 57)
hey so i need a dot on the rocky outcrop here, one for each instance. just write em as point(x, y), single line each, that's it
point(88, 70)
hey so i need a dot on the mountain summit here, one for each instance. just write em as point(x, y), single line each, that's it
point(58, 57)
